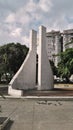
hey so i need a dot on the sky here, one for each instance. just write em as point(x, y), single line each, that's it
point(18, 17)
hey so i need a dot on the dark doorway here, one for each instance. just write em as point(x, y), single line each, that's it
point(36, 69)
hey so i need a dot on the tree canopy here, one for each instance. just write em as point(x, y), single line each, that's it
point(54, 68)
point(11, 57)
point(65, 66)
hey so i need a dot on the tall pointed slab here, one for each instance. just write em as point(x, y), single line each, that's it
point(25, 78)
point(45, 75)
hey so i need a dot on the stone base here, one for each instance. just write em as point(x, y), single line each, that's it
point(14, 92)
point(44, 88)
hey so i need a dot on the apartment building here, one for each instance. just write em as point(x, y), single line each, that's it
point(67, 39)
point(57, 42)
point(54, 46)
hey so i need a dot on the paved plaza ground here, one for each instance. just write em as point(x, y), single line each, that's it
point(37, 114)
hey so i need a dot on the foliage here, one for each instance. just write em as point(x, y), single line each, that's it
point(11, 57)
point(65, 66)
point(54, 68)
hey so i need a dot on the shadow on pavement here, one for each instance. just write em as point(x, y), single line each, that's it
point(8, 126)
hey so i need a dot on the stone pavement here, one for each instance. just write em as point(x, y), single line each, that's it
point(39, 114)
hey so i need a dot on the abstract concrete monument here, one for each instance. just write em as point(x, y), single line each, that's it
point(45, 76)
point(25, 78)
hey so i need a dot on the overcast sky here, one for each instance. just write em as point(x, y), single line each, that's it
point(18, 17)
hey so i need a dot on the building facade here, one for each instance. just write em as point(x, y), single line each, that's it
point(67, 39)
point(58, 42)
point(54, 46)
point(69, 45)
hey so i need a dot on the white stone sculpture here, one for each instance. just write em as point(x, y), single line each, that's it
point(25, 78)
point(45, 75)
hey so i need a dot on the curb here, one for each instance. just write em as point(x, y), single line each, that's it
point(51, 98)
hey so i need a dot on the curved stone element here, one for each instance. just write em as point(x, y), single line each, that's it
point(25, 78)
point(45, 75)
point(14, 92)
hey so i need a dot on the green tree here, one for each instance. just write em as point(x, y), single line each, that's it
point(54, 68)
point(11, 57)
point(65, 66)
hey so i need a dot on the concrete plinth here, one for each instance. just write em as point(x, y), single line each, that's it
point(45, 75)
point(25, 78)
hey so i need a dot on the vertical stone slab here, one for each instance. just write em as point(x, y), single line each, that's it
point(45, 75)
point(25, 78)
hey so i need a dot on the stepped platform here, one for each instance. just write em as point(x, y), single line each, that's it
point(59, 90)
point(54, 92)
